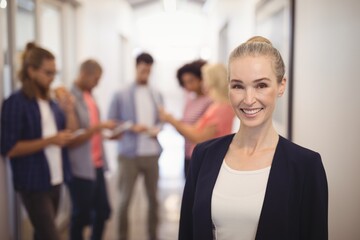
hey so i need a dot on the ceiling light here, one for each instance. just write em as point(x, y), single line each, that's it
point(3, 4)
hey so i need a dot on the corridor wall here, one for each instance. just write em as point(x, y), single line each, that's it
point(326, 102)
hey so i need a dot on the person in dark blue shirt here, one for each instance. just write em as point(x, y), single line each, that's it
point(34, 130)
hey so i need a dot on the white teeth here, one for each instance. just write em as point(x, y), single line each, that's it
point(251, 111)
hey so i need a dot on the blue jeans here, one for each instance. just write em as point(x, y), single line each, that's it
point(90, 206)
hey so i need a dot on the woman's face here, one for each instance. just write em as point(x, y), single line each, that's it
point(191, 82)
point(254, 90)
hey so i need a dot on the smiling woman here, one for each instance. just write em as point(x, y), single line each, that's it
point(255, 184)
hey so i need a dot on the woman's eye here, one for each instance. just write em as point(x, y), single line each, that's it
point(237, 86)
point(261, 85)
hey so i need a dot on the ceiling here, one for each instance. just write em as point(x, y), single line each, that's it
point(140, 3)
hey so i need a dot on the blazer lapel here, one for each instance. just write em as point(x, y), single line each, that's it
point(274, 214)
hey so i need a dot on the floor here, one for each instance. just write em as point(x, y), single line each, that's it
point(170, 185)
point(170, 191)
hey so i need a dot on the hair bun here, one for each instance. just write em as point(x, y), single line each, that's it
point(259, 39)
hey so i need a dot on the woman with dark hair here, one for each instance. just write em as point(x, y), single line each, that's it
point(218, 118)
point(34, 130)
point(190, 78)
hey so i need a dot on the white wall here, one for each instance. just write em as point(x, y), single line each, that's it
point(100, 25)
point(240, 15)
point(326, 103)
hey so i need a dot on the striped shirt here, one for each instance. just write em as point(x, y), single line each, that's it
point(195, 107)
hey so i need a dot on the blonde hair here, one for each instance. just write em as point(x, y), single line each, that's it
point(260, 46)
point(215, 76)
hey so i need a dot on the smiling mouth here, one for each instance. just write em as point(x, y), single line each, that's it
point(251, 111)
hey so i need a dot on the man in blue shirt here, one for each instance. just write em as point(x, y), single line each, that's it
point(139, 149)
point(33, 136)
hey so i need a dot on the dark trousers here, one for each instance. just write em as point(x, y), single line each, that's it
point(90, 206)
point(42, 208)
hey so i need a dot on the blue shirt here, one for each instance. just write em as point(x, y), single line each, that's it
point(21, 120)
point(122, 108)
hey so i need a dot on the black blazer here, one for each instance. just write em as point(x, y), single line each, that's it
point(296, 199)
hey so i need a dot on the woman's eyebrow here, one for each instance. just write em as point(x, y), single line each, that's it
point(256, 80)
point(262, 79)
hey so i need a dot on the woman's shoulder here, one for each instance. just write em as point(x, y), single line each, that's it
point(291, 146)
point(211, 150)
point(297, 153)
point(216, 143)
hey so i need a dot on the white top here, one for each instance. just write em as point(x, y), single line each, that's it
point(145, 115)
point(52, 152)
point(237, 201)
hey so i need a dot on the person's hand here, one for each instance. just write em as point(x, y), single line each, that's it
point(110, 124)
point(114, 137)
point(68, 104)
point(65, 99)
point(138, 128)
point(153, 132)
point(62, 138)
point(163, 115)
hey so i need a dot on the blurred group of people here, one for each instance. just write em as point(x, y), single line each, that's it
point(55, 136)
point(250, 185)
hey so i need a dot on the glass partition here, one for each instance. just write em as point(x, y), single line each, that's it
point(50, 28)
point(24, 28)
point(5, 86)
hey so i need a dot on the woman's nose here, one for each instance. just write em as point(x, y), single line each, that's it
point(249, 97)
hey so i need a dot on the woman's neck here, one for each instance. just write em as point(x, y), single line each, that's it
point(254, 139)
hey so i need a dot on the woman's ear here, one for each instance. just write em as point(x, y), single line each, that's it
point(282, 87)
